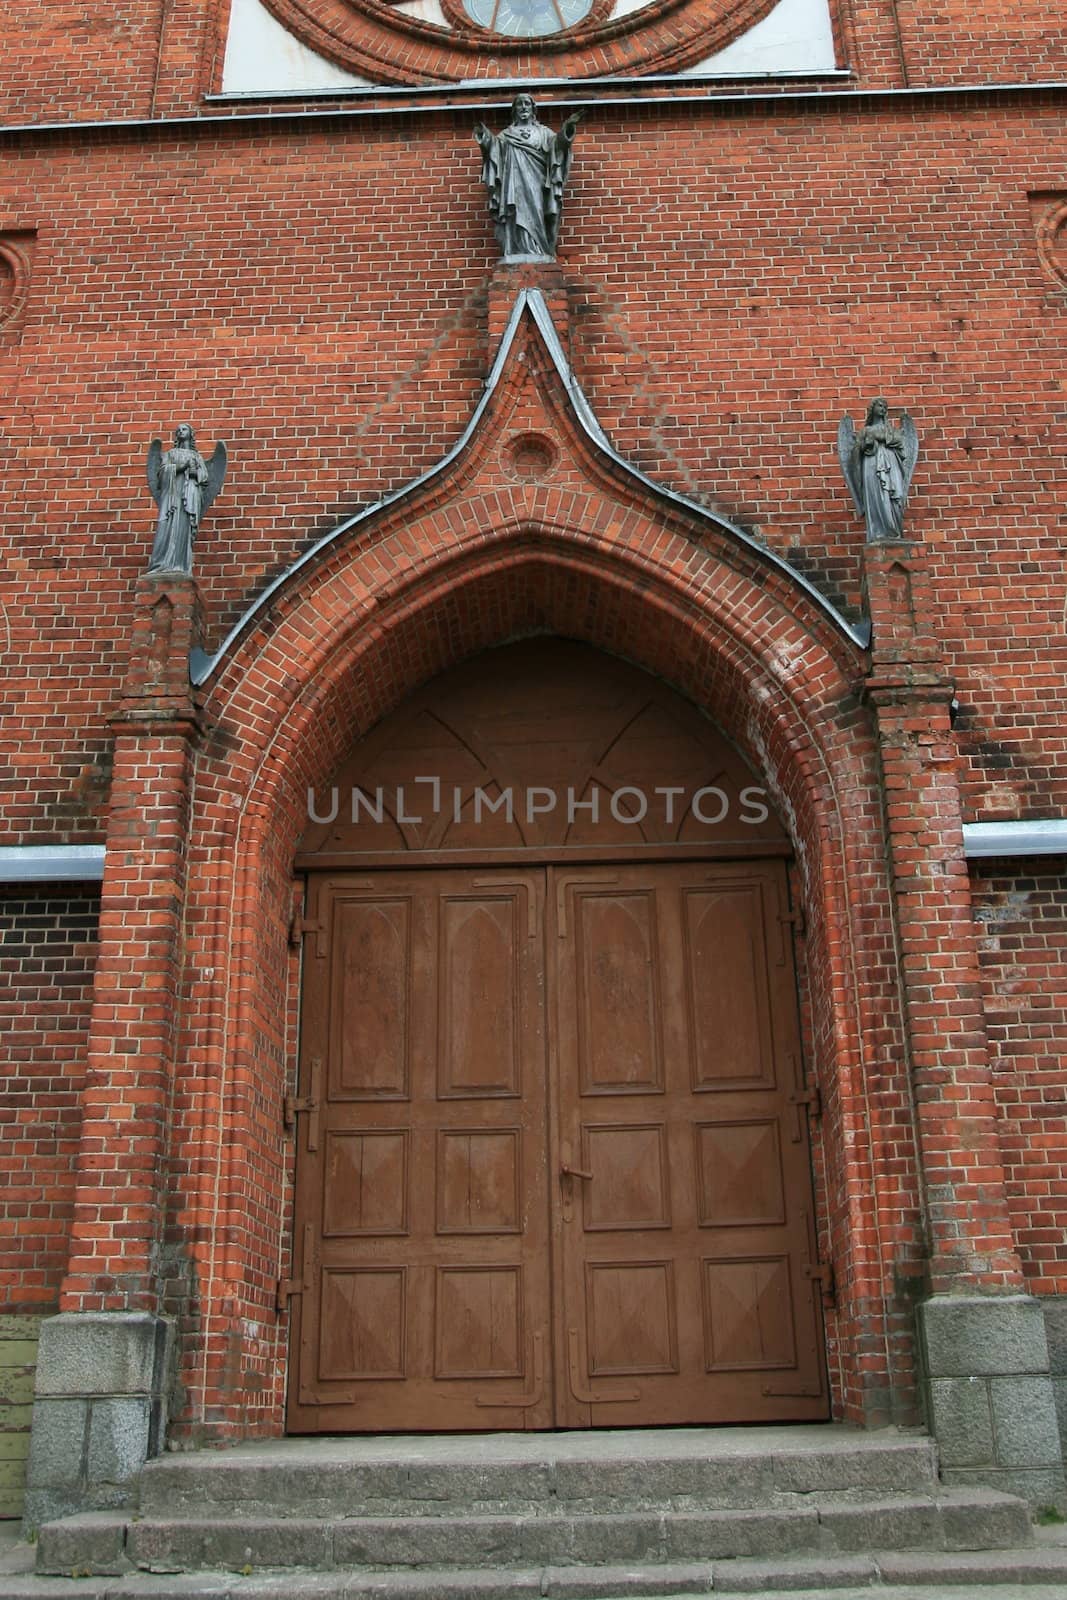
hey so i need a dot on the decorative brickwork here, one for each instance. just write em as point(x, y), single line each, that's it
point(375, 41)
point(478, 559)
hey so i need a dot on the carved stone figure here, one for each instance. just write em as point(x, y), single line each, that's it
point(525, 169)
point(183, 485)
point(878, 462)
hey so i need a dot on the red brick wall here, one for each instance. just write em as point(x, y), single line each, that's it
point(1021, 912)
point(64, 61)
point(1006, 41)
point(760, 275)
point(47, 951)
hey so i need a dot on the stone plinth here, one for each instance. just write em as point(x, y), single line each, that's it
point(99, 1410)
point(991, 1396)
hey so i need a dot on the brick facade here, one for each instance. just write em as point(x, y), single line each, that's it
point(316, 283)
point(47, 958)
point(1021, 911)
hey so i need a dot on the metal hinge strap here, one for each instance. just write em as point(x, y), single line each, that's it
point(812, 1098)
point(302, 925)
point(288, 1287)
point(580, 1387)
point(309, 1103)
point(822, 1272)
point(809, 1097)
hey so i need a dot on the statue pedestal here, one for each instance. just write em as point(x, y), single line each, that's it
point(508, 281)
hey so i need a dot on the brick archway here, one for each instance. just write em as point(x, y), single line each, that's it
point(365, 628)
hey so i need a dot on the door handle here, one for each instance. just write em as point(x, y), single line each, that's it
point(567, 1171)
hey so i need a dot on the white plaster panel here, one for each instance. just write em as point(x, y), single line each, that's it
point(796, 36)
point(262, 57)
point(425, 10)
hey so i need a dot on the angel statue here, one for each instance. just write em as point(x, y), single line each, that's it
point(524, 169)
point(183, 485)
point(878, 463)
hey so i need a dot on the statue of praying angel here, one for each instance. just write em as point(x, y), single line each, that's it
point(878, 462)
point(183, 485)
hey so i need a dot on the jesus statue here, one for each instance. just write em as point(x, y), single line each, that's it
point(524, 169)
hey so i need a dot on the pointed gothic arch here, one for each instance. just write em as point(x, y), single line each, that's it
point(532, 524)
point(382, 618)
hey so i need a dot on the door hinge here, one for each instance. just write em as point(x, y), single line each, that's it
point(796, 919)
point(530, 1397)
point(302, 925)
point(580, 1387)
point(293, 1105)
point(822, 1272)
point(288, 1287)
point(812, 1098)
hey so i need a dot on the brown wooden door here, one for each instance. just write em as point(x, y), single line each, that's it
point(684, 1187)
point(551, 1174)
point(422, 1208)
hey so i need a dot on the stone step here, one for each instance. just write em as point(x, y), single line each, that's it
point(952, 1520)
point(616, 1469)
point(1039, 1574)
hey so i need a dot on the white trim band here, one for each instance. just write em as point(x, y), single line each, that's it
point(52, 863)
point(1015, 838)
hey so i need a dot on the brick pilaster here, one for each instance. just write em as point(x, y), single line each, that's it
point(118, 1199)
point(969, 1231)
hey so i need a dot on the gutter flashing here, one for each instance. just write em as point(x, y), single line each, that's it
point(572, 92)
point(52, 863)
point(983, 839)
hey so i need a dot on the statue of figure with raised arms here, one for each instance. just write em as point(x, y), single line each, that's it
point(524, 170)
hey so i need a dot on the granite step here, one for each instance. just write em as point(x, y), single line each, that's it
point(1037, 1574)
point(947, 1521)
point(620, 1469)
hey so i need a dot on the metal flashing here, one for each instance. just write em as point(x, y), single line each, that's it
point(528, 302)
point(52, 863)
point(574, 92)
point(1046, 838)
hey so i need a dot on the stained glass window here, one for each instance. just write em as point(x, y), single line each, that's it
point(527, 19)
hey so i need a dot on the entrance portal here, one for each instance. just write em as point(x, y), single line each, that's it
point(553, 1167)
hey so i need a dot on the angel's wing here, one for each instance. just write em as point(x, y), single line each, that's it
point(155, 459)
point(911, 449)
point(216, 471)
point(846, 454)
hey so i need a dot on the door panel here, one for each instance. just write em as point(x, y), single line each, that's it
point(552, 1175)
point(727, 985)
point(683, 1205)
point(422, 1199)
point(616, 956)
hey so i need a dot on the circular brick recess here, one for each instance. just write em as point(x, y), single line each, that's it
point(530, 457)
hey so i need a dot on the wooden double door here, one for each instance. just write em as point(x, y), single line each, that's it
point(553, 1163)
